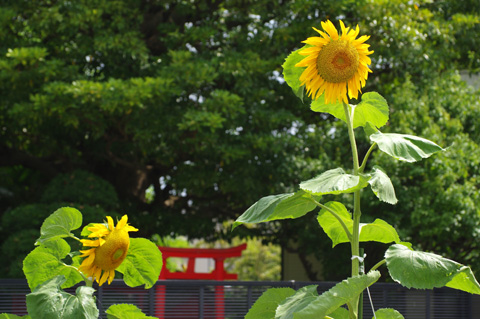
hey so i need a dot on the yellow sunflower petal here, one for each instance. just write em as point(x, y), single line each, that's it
point(123, 221)
point(111, 276)
point(111, 226)
point(103, 278)
point(90, 243)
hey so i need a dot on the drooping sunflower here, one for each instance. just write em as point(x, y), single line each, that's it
point(336, 64)
point(109, 247)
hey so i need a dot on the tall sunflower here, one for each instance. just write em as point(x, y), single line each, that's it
point(336, 64)
point(109, 249)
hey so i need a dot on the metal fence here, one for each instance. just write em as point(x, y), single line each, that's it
point(170, 299)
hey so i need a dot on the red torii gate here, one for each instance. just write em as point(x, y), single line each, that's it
point(217, 254)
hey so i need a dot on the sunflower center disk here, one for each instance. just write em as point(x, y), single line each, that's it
point(337, 61)
point(111, 254)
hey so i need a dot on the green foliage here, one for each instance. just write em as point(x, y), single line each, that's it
point(307, 304)
point(60, 224)
point(372, 109)
point(334, 181)
point(427, 271)
point(387, 313)
point(403, 147)
point(48, 301)
point(143, 263)
point(10, 316)
point(46, 262)
point(80, 187)
point(266, 305)
point(277, 207)
point(125, 311)
point(382, 186)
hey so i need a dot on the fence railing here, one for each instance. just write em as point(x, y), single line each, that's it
point(198, 299)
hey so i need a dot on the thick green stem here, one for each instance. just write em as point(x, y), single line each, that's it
point(355, 243)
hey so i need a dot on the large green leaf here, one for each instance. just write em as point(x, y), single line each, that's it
point(382, 186)
point(143, 263)
point(379, 230)
point(60, 224)
point(421, 270)
point(45, 262)
point(330, 224)
point(125, 311)
point(48, 301)
point(266, 305)
point(306, 304)
point(297, 302)
point(334, 181)
point(372, 109)
point(275, 207)
point(403, 147)
point(336, 108)
point(291, 73)
point(387, 313)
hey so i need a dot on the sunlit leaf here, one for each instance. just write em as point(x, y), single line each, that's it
point(403, 147)
point(125, 311)
point(266, 305)
point(334, 181)
point(143, 263)
point(387, 313)
point(60, 224)
point(421, 270)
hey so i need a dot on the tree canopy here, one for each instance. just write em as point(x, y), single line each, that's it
point(187, 98)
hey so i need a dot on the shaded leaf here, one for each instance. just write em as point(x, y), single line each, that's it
point(143, 263)
point(382, 186)
point(336, 108)
point(275, 207)
point(340, 313)
point(421, 270)
point(291, 73)
point(266, 305)
point(334, 181)
point(48, 301)
point(306, 305)
point(403, 147)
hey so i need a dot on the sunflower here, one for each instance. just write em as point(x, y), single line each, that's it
point(110, 246)
point(336, 64)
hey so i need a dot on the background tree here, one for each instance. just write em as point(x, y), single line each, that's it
point(187, 97)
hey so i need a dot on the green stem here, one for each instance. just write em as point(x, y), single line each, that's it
point(331, 211)
point(380, 263)
point(356, 201)
point(364, 163)
point(74, 237)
